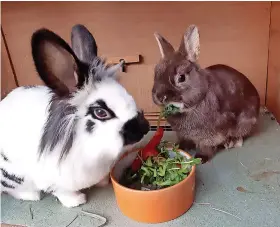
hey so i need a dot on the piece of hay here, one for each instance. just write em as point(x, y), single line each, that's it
point(72, 221)
point(213, 208)
point(96, 216)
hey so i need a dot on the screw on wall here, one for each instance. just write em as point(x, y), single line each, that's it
point(123, 65)
point(126, 60)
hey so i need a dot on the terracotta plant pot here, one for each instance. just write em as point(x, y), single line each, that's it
point(153, 206)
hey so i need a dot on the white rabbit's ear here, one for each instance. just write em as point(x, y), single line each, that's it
point(190, 43)
point(83, 44)
point(56, 63)
point(166, 49)
point(99, 70)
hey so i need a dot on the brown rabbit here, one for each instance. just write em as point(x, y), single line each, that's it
point(219, 106)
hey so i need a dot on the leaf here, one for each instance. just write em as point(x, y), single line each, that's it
point(169, 110)
point(134, 176)
point(165, 183)
point(162, 170)
point(176, 147)
point(149, 162)
point(142, 178)
point(147, 172)
point(155, 172)
point(197, 161)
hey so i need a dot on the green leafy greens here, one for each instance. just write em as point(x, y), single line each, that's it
point(163, 170)
point(169, 110)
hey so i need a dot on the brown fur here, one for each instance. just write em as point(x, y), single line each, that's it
point(221, 106)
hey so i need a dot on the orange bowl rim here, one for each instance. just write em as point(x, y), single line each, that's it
point(152, 191)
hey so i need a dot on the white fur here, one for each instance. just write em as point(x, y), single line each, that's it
point(23, 114)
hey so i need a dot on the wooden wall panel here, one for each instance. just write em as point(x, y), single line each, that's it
point(273, 84)
point(7, 78)
point(234, 33)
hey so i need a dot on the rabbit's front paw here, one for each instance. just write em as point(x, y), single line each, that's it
point(238, 142)
point(71, 199)
point(187, 145)
point(27, 195)
point(229, 144)
point(204, 158)
point(206, 153)
point(233, 142)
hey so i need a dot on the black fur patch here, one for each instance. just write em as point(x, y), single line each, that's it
point(12, 177)
point(29, 86)
point(4, 157)
point(103, 105)
point(44, 35)
point(90, 125)
point(135, 129)
point(6, 185)
point(57, 127)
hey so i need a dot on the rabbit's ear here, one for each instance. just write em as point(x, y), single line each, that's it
point(190, 43)
point(113, 69)
point(166, 49)
point(55, 62)
point(83, 44)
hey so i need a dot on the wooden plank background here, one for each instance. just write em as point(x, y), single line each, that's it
point(7, 82)
point(273, 83)
point(234, 33)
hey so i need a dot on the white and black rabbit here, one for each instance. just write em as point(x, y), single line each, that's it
point(219, 106)
point(66, 136)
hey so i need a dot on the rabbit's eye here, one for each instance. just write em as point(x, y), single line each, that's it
point(182, 78)
point(101, 113)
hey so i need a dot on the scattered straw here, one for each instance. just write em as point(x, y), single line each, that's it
point(203, 203)
point(72, 221)
point(213, 208)
point(243, 165)
point(30, 211)
point(226, 213)
point(96, 216)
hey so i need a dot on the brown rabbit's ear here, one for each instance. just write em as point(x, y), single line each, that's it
point(190, 43)
point(166, 49)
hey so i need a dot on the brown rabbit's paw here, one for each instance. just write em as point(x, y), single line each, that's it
point(238, 142)
point(234, 143)
point(206, 153)
point(204, 158)
point(229, 144)
point(187, 145)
